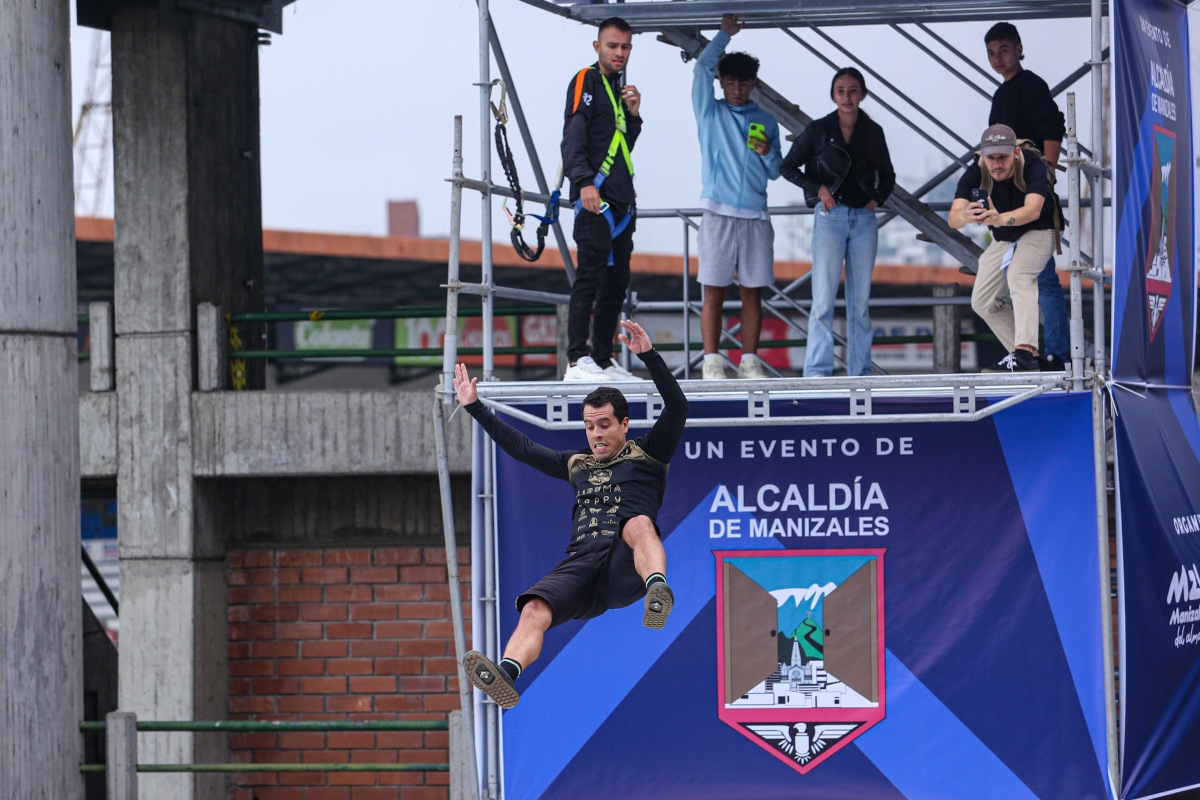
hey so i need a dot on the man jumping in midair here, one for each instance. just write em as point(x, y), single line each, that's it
point(615, 555)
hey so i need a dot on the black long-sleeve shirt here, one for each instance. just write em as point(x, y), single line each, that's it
point(1024, 103)
point(608, 492)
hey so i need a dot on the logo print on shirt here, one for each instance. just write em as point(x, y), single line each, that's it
point(587, 99)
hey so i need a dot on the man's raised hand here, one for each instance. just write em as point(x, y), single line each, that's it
point(464, 386)
point(731, 24)
point(638, 341)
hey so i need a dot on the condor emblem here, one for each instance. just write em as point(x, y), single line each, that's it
point(800, 665)
point(1161, 252)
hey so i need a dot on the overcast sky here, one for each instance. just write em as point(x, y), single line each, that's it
point(359, 96)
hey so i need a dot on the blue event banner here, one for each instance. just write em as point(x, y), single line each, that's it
point(1154, 267)
point(1158, 489)
point(884, 610)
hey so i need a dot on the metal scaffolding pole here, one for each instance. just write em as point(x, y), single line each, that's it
point(450, 345)
point(485, 173)
point(1099, 435)
point(1075, 265)
point(530, 149)
point(1099, 152)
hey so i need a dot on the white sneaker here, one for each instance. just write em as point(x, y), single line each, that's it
point(615, 372)
point(751, 368)
point(585, 369)
point(714, 368)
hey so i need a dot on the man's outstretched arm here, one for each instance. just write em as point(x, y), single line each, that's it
point(511, 440)
point(664, 437)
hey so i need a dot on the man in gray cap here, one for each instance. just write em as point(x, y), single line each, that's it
point(1009, 191)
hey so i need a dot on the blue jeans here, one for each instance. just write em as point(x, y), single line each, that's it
point(1056, 321)
point(846, 235)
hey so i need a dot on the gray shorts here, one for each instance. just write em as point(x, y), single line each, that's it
point(730, 243)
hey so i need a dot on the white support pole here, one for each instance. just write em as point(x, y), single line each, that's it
point(1098, 155)
point(450, 344)
point(1099, 436)
point(466, 714)
point(485, 174)
point(1075, 266)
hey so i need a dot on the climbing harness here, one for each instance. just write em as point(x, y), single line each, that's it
point(517, 220)
point(618, 144)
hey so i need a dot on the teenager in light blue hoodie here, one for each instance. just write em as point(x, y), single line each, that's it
point(739, 145)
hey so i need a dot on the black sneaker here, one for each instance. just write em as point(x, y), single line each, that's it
point(1016, 361)
point(1051, 363)
point(490, 679)
point(659, 602)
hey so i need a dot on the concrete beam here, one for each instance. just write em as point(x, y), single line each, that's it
point(41, 627)
point(320, 433)
point(260, 434)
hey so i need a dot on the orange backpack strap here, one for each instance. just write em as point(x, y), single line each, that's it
point(579, 78)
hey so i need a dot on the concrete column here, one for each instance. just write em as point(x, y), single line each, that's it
point(122, 756)
point(41, 633)
point(188, 230)
point(947, 332)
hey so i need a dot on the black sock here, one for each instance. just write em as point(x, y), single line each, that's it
point(512, 667)
point(603, 363)
point(657, 577)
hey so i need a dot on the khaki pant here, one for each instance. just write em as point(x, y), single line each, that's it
point(1010, 269)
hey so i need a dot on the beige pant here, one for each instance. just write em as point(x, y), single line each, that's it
point(1014, 274)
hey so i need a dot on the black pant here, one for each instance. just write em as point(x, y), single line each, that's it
point(597, 284)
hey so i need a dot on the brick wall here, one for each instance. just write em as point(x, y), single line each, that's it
point(342, 634)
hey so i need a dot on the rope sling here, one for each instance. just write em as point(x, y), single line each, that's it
point(517, 219)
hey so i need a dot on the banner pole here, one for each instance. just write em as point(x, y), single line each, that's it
point(1098, 155)
point(1100, 468)
point(1075, 268)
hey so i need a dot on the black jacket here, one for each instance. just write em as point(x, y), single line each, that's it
point(588, 126)
point(820, 156)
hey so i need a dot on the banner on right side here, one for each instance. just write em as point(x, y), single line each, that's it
point(1156, 435)
point(1154, 268)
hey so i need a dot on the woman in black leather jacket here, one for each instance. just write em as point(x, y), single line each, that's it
point(842, 162)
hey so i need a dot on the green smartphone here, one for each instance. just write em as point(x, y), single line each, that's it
point(757, 131)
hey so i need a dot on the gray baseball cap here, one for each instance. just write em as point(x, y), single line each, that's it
point(997, 139)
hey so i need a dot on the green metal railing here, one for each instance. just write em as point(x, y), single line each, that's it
point(248, 726)
point(431, 312)
point(412, 312)
point(409, 312)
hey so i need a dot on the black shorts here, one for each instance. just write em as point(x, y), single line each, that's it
point(598, 576)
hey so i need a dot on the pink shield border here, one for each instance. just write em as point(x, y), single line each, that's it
point(739, 718)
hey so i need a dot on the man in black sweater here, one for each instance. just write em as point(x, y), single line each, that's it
point(1024, 103)
point(615, 555)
